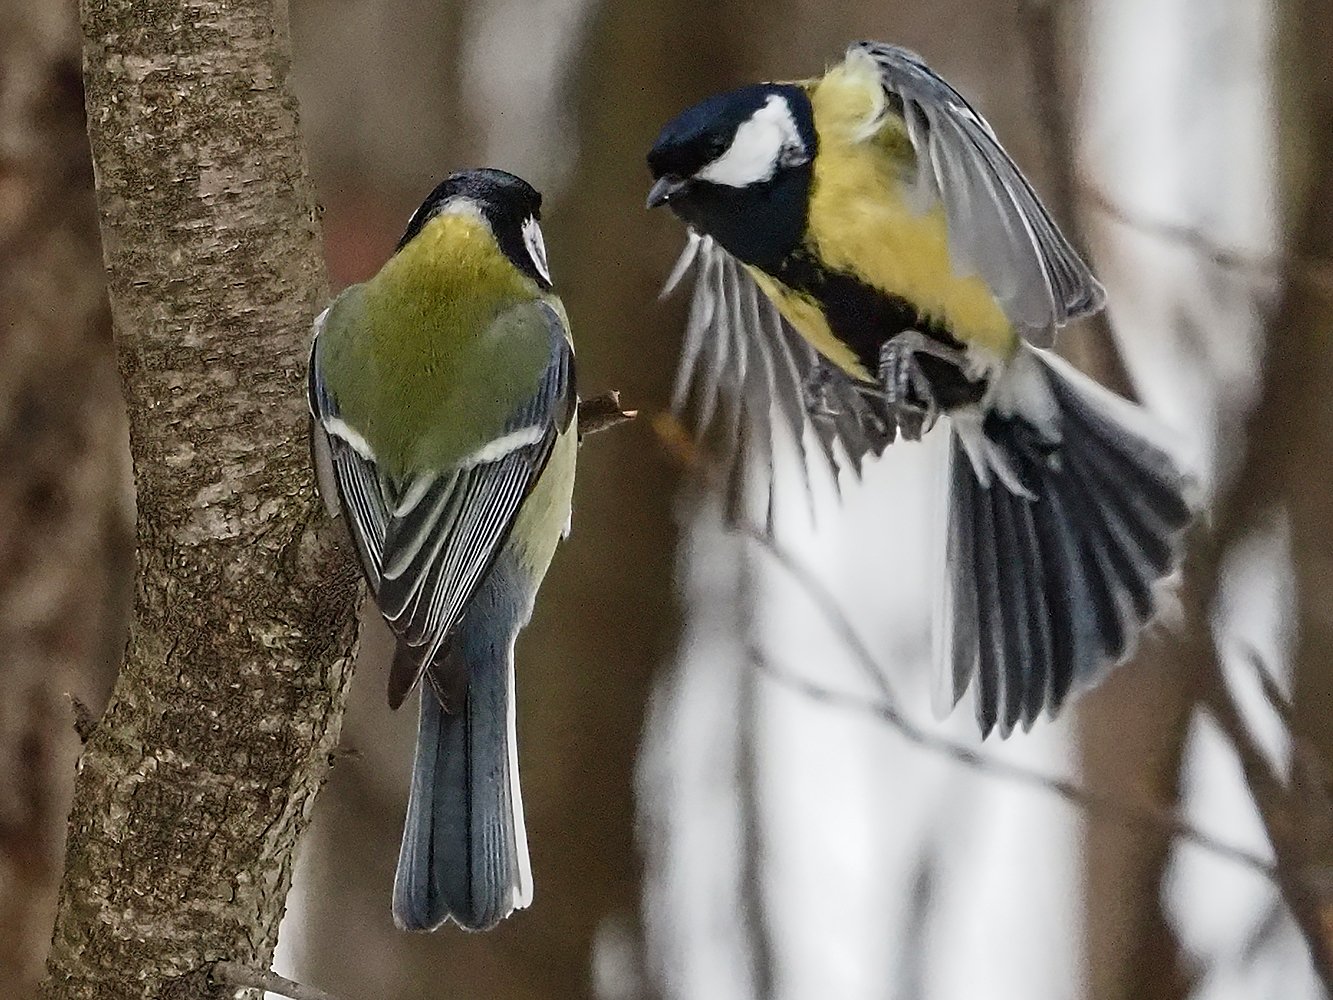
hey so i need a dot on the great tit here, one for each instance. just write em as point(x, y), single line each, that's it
point(907, 271)
point(444, 436)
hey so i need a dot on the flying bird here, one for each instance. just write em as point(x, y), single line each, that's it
point(868, 260)
point(444, 436)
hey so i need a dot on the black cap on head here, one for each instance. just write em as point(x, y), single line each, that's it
point(699, 135)
point(511, 207)
point(738, 167)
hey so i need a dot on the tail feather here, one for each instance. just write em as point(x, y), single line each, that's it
point(1031, 618)
point(464, 854)
point(1144, 529)
point(1070, 603)
point(1038, 616)
point(1060, 558)
point(1095, 565)
point(959, 614)
point(1117, 543)
point(1127, 450)
point(427, 888)
point(1015, 612)
point(1151, 507)
point(990, 663)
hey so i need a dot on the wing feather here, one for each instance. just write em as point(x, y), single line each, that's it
point(753, 379)
point(998, 228)
point(426, 543)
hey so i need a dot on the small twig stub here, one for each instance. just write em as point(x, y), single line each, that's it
point(603, 411)
point(243, 977)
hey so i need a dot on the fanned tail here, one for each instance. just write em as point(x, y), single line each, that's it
point(1064, 516)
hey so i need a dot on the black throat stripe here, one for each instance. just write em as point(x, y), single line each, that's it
point(865, 318)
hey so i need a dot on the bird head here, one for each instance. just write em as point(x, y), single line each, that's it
point(510, 207)
point(737, 167)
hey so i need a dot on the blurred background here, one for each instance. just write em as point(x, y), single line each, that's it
point(701, 827)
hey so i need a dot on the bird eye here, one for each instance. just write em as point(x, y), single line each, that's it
point(536, 246)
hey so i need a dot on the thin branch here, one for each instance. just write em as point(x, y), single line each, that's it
point(1277, 698)
point(883, 707)
point(1229, 258)
point(601, 412)
point(1277, 472)
point(1296, 819)
point(1317, 271)
point(244, 977)
point(1309, 771)
point(1109, 808)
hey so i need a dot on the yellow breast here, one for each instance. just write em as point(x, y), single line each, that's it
point(861, 224)
point(805, 316)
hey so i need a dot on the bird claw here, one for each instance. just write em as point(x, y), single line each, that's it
point(816, 396)
point(906, 389)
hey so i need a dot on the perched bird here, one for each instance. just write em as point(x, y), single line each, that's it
point(444, 435)
point(868, 258)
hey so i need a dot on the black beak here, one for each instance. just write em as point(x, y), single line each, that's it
point(665, 189)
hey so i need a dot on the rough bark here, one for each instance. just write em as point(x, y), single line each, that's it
point(193, 789)
point(64, 520)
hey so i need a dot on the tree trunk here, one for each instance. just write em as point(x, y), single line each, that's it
point(1293, 428)
point(1302, 357)
point(64, 523)
point(1129, 948)
point(192, 791)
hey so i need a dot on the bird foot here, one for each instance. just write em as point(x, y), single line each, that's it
point(815, 387)
point(906, 389)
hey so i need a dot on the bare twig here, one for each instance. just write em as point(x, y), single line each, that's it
point(1267, 265)
point(1297, 825)
point(1315, 270)
point(1109, 808)
point(1276, 697)
point(1285, 447)
point(601, 412)
point(1295, 817)
point(883, 707)
point(244, 977)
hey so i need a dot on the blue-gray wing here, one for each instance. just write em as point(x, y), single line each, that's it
point(754, 380)
point(429, 540)
point(349, 480)
point(998, 228)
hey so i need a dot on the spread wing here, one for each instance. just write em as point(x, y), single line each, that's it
point(426, 542)
point(998, 229)
point(753, 379)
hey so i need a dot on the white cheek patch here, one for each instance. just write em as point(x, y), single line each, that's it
point(532, 239)
point(768, 139)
